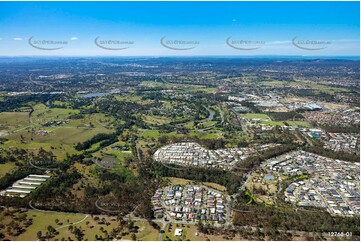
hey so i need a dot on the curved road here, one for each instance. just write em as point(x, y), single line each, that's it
point(164, 223)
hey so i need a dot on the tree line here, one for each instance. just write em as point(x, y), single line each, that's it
point(286, 218)
point(231, 181)
point(106, 139)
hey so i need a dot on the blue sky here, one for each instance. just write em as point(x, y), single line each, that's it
point(268, 28)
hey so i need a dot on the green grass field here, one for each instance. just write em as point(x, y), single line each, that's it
point(59, 140)
point(41, 224)
point(320, 87)
point(136, 99)
point(274, 83)
point(265, 119)
point(256, 116)
point(12, 121)
point(111, 151)
point(189, 125)
point(89, 225)
point(274, 123)
point(42, 114)
point(6, 168)
point(155, 120)
point(204, 135)
point(148, 134)
point(207, 124)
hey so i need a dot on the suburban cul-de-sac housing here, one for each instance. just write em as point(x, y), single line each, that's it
point(190, 203)
point(192, 154)
point(323, 182)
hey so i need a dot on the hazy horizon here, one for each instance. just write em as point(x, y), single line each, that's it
point(179, 28)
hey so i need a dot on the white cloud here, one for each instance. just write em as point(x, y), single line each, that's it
point(18, 38)
point(74, 38)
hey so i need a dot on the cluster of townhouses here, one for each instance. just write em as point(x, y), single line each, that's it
point(190, 203)
point(323, 182)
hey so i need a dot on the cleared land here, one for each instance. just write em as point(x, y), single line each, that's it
point(180, 181)
point(12, 121)
point(91, 226)
point(7, 167)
